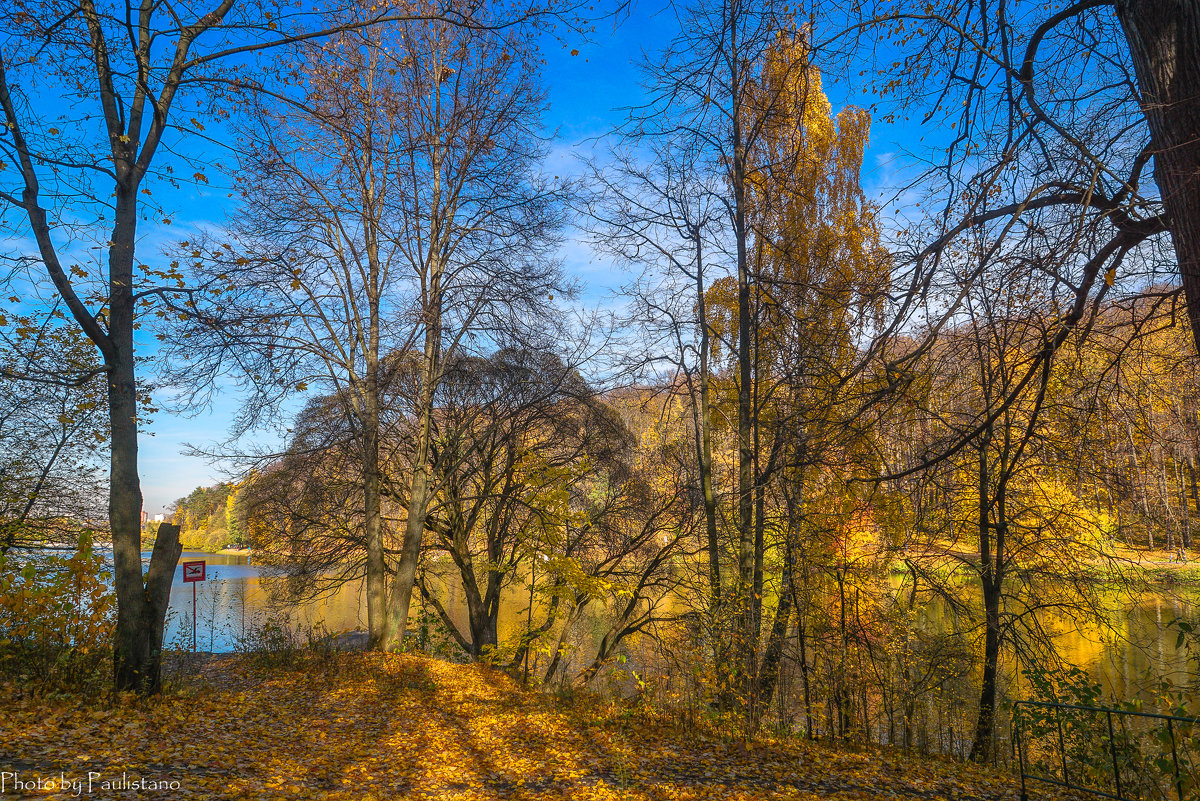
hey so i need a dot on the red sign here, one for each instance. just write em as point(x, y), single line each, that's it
point(193, 571)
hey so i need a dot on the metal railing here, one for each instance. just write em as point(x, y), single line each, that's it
point(1130, 784)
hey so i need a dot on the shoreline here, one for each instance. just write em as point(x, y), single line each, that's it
point(1154, 566)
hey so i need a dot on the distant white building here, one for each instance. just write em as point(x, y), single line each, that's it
point(158, 518)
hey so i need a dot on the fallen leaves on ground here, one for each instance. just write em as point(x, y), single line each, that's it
point(383, 726)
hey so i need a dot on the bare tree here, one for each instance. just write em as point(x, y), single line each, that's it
point(309, 289)
point(707, 110)
point(395, 209)
point(516, 435)
point(1048, 120)
point(1003, 507)
point(661, 214)
point(52, 432)
point(120, 73)
point(480, 227)
point(762, 263)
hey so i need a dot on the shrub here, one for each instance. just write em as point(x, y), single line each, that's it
point(57, 614)
point(277, 642)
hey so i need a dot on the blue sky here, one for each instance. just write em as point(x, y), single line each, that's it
point(587, 93)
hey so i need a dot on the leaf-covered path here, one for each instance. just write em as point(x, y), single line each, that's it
point(364, 727)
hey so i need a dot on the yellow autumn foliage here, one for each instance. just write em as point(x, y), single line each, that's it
point(56, 619)
point(372, 726)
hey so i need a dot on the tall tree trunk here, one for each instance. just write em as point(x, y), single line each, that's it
point(376, 578)
point(373, 522)
point(985, 726)
point(841, 691)
point(769, 672)
point(1185, 520)
point(141, 605)
point(802, 648)
point(400, 596)
point(1191, 469)
point(760, 549)
point(793, 491)
point(1137, 481)
point(704, 437)
point(746, 636)
point(1164, 41)
point(991, 560)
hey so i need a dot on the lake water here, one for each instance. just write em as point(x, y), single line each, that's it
point(1130, 655)
point(235, 600)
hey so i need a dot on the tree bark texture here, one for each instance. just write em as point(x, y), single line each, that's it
point(1164, 42)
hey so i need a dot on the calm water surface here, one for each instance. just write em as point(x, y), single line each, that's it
point(235, 599)
point(1128, 657)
